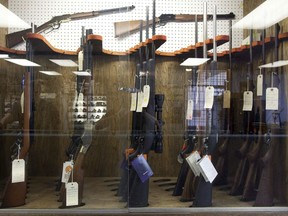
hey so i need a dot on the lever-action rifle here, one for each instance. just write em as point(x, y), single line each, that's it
point(132, 26)
point(16, 38)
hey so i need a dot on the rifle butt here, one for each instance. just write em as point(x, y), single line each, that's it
point(249, 192)
point(203, 194)
point(14, 194)
point(16, 38)
point(129, 27)
point(265, 194)
point(178, 189)
point(78, 176)
point(188, 193)
point(239, 181)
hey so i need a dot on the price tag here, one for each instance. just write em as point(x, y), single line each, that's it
point(66, 171)
point(207, 169)
point(260, 85)
point(133, 102)
point(192, 161)
point(209, 97)
point(72, 194)
point(18, 170)
point(22, 102)
point(226, 99)
point(80, 60)
point(189, 113)
point(247, 100)
point(139, 102)
point(272, 98)
point(146, 95)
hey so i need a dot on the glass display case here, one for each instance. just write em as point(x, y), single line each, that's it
point(144, 130)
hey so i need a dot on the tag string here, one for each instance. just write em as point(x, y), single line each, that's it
point(19, 148)
point(272, 81)
point(226, 85)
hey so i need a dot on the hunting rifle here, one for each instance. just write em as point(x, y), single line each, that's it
point(15, 193)
point(132, 26)
point(16, 38)
point(243, 166)
point(84, 133)
point(188, 145)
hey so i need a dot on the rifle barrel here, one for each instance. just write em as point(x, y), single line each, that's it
point(87, 15)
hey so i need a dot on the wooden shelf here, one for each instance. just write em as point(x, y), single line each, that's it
point(4, 50)
point(42, 46)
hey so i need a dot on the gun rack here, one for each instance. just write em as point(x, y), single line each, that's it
point(42, 46)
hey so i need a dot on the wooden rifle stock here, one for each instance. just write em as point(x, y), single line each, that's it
point(15, 193)
point(265, 193)
point(78, 176)
point(125, 28)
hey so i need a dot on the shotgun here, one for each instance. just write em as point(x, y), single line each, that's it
point(83, 134)
point(251, 184)
point(222, 161)
point(136, 138)
point(189, 136)
point(16, 38)
point(242, 169)
point(203, 193)
point(15, 193)
point(125, 28)
point(139, 192)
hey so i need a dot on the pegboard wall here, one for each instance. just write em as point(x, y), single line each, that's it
point(179, 35)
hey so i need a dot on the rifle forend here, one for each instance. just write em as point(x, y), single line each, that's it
point(18, 37)
point(132, 26)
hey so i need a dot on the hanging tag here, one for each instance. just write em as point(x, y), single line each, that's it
point(209, 97)
point(247, 100)
point(139, 101)
point(146, 95)
point(80, 60)
point(71, 194)
point(189, 113)
point(207, 169)
point(272, 99)
point(22, 102)
point(133, 101)
point(18, 170)
point(80, 99)
point(260, 85)
point(192, 162)
point(66, 171)
point(226, 99)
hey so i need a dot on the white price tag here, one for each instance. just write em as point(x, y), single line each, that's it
point(272, 97)
point(207, 169)
point(66, 171)
point(133, 101)
point(80, 60)
point(247, 100)
point(192, 162)
point(189, 112)
point(146, 95)
point(260, 85)
point(72, 194)
point(139, 101)
point(226, 99)
point(209, 97)
point(18, 170)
